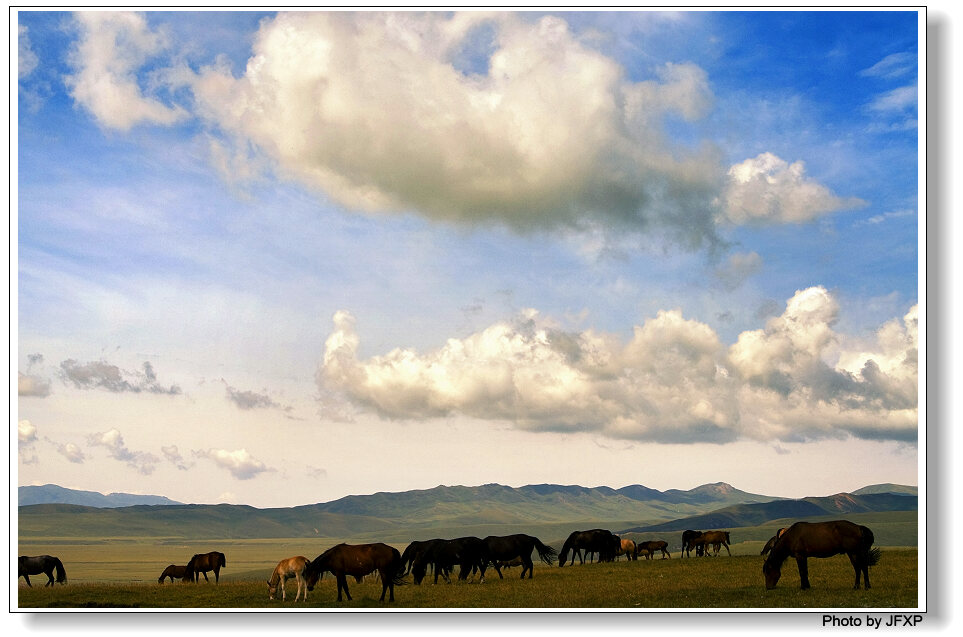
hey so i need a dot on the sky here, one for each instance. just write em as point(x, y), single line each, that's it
point(279, 258)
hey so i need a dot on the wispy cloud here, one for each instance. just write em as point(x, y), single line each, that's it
point(893, 66)
point(247, 399)
point(113, 441)
point(107, 58)
point(103, 375)
point(173, 456)
point(27, 60)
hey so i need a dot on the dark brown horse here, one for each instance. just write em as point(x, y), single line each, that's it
point(173, 571)
point(358, 560)
point(822, 539)
point(650, 547)
point(45, 564)
point(201, 563)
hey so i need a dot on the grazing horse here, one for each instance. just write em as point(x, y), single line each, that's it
point(629, 549)
point(172, 571)
point(285, 570)
point(822, 539)
point(46, 564)
point(509, 547)
point(772, 541)
point(443, 555)
point(650, 547)
point(688, 544)
point(201, 563)
point(358, 560)
point(600, 541)
point(717, 539)
point(414, 550)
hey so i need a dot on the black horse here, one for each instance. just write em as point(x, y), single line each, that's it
point(600, 541)
point(506, 548)
point(45, 564)
point(687, 544)
point(822, 539)
point(414, 550)
point(201, 563)
point(469, 553)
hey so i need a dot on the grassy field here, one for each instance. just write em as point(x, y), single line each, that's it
point(115, 574)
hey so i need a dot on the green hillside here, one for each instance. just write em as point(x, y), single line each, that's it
point(553, 510)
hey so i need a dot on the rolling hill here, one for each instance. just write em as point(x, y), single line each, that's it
point(450, 511)
point(54, 494)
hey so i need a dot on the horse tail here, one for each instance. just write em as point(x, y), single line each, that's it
point(397, 575)
point(222, 559)
point(61, 572)
point(545, 553)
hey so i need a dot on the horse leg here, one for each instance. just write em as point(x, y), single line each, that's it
point(527, 564)
point(860, 566)
point(50, 578)
point(27, 577)
point(803, 572)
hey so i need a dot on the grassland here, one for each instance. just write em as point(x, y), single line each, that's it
point(720, 583)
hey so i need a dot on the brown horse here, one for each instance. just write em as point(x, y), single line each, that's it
point(650, 547)
point(285, 570)
point(201, 563)
point(629, 549)
point(358, 560)
point(772, 541)
point(717, 539)
point(822, 539)
point(172, 571)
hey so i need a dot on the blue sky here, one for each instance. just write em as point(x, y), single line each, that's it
point(256, 252)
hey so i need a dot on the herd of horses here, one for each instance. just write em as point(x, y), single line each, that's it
point(472, 555)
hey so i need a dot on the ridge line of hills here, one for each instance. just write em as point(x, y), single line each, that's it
point(483, 510)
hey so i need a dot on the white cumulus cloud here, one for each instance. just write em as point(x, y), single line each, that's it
point(241, 464)
point(374, 110)
point(768, 189)
point(673, 381)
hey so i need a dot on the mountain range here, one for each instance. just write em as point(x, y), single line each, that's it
point(444, 511)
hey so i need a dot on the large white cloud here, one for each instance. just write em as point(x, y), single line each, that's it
point(470, 118)
point(370, 108)
point(673, 381)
